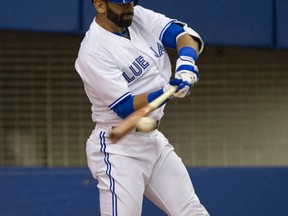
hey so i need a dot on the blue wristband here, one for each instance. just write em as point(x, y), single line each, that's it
point(188, 51)
point(153, 95)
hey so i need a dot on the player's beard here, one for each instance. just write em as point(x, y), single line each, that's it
point(119, 19)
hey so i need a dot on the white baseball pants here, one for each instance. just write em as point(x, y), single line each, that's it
point(140, 163)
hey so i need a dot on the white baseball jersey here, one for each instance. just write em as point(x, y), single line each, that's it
point(114, 67)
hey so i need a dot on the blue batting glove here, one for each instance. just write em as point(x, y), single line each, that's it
point(183, 88)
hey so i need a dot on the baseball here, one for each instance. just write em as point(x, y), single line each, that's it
point(146, 124)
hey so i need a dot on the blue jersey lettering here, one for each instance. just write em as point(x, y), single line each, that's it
point(136, 68)
point(160, 50)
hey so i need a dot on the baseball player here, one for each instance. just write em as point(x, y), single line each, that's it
point(124, 66)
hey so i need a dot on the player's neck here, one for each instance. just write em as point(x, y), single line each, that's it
point(124, 34)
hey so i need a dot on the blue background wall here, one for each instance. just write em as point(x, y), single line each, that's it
point(281, 24)
point(223, 22)
point(73, 192)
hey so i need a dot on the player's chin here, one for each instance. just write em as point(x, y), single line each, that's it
point(126, 22)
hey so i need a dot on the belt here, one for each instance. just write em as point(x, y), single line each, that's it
point(137, 130)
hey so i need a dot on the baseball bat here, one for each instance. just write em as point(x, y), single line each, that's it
point(130, 121)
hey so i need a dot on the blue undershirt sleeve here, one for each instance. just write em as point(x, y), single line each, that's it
point(170, 35)
point(125, 107)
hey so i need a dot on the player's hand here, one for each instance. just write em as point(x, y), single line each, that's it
point(187, 70)
point(183, 88)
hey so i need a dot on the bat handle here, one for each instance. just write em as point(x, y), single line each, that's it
point(162, 98)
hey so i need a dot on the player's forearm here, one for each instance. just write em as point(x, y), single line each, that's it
point(135, 102)
point(188, 51)
point(187, 40)
point(140, 101)
point(143, 99)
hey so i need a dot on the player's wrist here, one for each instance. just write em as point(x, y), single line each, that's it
point(188, 53)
